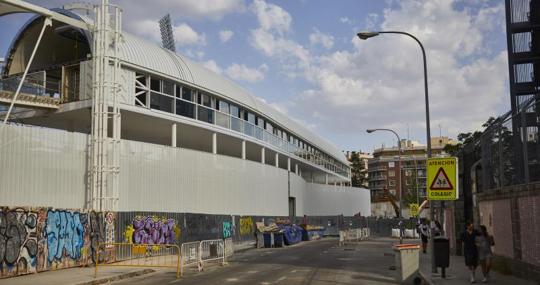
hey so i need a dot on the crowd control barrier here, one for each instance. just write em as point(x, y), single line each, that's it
point(190, 256)
point(211, 250)
point(353, 235)
point(138, 255)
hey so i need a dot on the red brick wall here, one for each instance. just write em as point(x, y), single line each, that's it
point(529, 216)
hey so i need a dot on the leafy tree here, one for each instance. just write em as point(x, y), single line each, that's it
point(358, 168)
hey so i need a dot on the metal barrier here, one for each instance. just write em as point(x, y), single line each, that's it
point(138, 255)
point(229, 247)
point(190, 256)
point(353, 235)
point(211, 250)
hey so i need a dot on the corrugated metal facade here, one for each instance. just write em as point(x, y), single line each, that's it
point(42, 167)
point(47, 167)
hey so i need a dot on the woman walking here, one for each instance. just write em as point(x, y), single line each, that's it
point(470, 250)
point(484, 242)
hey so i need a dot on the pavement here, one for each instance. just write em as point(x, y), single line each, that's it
point(458, 273)
point(315, 262)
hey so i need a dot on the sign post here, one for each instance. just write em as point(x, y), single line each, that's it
point(442, 177)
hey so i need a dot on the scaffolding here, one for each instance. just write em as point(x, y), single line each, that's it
point(105, 143)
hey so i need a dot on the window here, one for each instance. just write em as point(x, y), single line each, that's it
point(391, 164)
point(155, 85)
point(391, 183)
point(235, 111)
point(168, 88)
point(269, 128)
point(250, 117)
point(391, 173)
point(185, 107)
point(205, 100)
point(161, 102)
point(408, 172)
point(223, 106)
point(140, 92)
point(260, 122)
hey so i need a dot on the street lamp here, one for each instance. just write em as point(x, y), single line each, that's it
point(367, 35)
point(369, 131)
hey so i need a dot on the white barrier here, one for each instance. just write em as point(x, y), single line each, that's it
point(190, 255)
point(407, 233)
point(211, 250)
point(353, 235)
point(229, 247)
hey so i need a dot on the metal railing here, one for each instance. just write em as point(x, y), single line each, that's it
point(138, 255)
point(211, 250)
point(190, 253)
point(353, 235)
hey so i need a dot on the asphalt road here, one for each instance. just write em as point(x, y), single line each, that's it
point(315, 262)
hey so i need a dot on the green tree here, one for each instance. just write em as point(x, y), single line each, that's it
point(358, 178)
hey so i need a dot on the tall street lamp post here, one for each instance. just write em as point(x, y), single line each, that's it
point(367, 35)
point(369, 131)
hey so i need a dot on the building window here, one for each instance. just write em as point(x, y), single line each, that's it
point(391, 164)
point(408, 172)
point(391, 173)
point(391, 183)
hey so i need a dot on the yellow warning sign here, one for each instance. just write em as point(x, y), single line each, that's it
point(413, 207)
point(442, 178)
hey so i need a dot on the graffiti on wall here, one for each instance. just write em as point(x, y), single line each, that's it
point(227, 229)
point(246, 226)
point(152, 230)
point(40, 239)
point(18, 242)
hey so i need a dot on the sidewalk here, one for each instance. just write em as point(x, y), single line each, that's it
point(458, 274)
point(77, 275)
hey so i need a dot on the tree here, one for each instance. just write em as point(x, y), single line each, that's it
point(358, 168)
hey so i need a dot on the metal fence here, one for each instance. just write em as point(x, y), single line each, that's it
point(190, 256)
point(211, 250)
point(353, 235)
point(138, 255)
point(507, 152)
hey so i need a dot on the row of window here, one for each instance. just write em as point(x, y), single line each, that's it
point(167, 96)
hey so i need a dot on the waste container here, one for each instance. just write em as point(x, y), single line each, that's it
point(441, 250)
point(278, 240)
point(407, 261)
point(268, 240)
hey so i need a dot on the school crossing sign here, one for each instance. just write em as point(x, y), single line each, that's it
point(442, 178)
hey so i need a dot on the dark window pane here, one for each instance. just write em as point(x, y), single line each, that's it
point(155, 85)
point(185, 109)
point(168, 87)
point(223, 106)
point(205, 114)
point(187, 94)
point(235, 111)
point(160, 102)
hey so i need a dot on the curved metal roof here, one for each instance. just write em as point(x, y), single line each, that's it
point(147, 55)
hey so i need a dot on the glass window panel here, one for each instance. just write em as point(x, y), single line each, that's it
point(205, 100)
point(222, 120)
point(205, 114)
point(223, 106)
point(155, 84)
point(178, 91)
point(251, 118)
point(260, 122)
point(235, 111)
point(168, 88)
point(161, 102)
point(269, 128)
point(237, 124)
point(186, 109)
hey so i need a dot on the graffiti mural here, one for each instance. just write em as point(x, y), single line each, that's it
point(39, 239)
point(227, 229)
point(18, 242)
point(246, 226)
point(152, 230)
point(65, 235)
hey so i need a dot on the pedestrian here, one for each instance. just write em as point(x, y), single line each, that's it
point(484, 242)
point(436, 228)
point(470, 251)
point(424, 234)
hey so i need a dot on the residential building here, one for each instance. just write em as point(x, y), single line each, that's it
point(364, 161)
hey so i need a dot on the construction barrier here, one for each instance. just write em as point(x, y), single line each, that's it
point(190, 256)
point(407, 233)
point(353, 235)
point(211, 250)
point(138, 255)
point(229, 247)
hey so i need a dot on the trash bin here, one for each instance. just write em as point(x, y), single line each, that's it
point(268, 240)
point(278, 240)
point(441, 248)
point(407, 261)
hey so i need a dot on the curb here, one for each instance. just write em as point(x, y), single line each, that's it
point(425, 278)
point(117, 277)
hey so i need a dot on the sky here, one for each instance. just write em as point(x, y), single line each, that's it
point(303, 58)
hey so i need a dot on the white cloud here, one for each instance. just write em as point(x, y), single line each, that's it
point(379, 83)
point(225, 35)
point(345, 20)
point(271, 17)
point(325, 40)
point(148, 29)
point(185, 35)
point(244, 73)
point(212, 65)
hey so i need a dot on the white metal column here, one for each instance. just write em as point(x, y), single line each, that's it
point(105, 150)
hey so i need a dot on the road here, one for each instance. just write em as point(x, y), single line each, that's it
point(315, 262)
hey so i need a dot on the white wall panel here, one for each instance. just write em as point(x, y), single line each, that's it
point(328, 200)
point(42, 167)
point(162, 178)
point(298, 191)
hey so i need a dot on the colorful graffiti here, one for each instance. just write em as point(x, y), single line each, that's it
point(246, 226)
point(40, 239)
point(65, 235)
point(227, 229)
point(152, 230)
